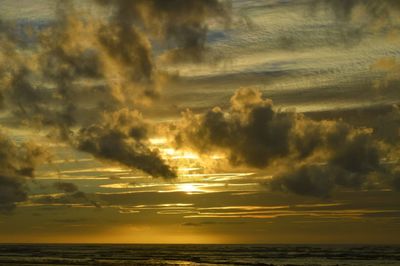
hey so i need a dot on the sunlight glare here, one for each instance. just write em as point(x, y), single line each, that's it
point(189, 188)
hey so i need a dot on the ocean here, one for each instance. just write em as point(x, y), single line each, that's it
point(315, 255)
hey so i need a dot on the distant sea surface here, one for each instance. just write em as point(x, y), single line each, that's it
point(315, 255)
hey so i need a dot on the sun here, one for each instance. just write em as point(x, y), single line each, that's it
point(189, 188)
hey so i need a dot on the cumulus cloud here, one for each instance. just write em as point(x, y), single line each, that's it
point(313, 156)
point(122, 138)
point(318, 180)
point(252, 132)
point(81, 70)
point(86, 78)
point(17, 164)
point(311, 180)
point(180, 24)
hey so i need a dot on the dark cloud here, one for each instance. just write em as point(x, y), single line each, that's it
point(108, 133)
point(350, 155)
point(121, 139)
point(177, 23)
point(358, 154)
point(86, 78)
point(82, 70)
point(17, 164)
point(12, 190)
point(306, 180)
point(383, 119)
point(66, 187)
point(252, 132)
point(75, 197)
point(131, 50)
point(387, 125)
point(396, 180)
point(71, 195)
point(69, 62)
point(316, 180)
point(308, 157)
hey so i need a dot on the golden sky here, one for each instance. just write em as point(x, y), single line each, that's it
point(180, 121)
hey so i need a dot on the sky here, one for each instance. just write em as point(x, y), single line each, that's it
point(154, 121)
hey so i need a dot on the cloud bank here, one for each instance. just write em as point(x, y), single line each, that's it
point(82, 72)
point(17, 164)
point(311, 157)
point(85, 79)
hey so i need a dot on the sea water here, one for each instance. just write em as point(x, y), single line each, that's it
point(56, 254)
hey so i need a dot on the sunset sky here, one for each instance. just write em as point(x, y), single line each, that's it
point(200, 121)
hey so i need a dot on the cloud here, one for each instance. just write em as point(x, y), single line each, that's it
point(306, 180)
point(12, 190)
point(179, 24)
point(376, 10)
point(81, 70)
point(17, 164)
point(71, 195)
point(76, 198)
point(396, 180)
point(122, 138)
point(349, 156)
point(318, 180)
point(66, 187)
point(358, 19)
point(308, 157)
point(389, 70)
point(207, 223)
point(252, 132)
point(87, 78)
